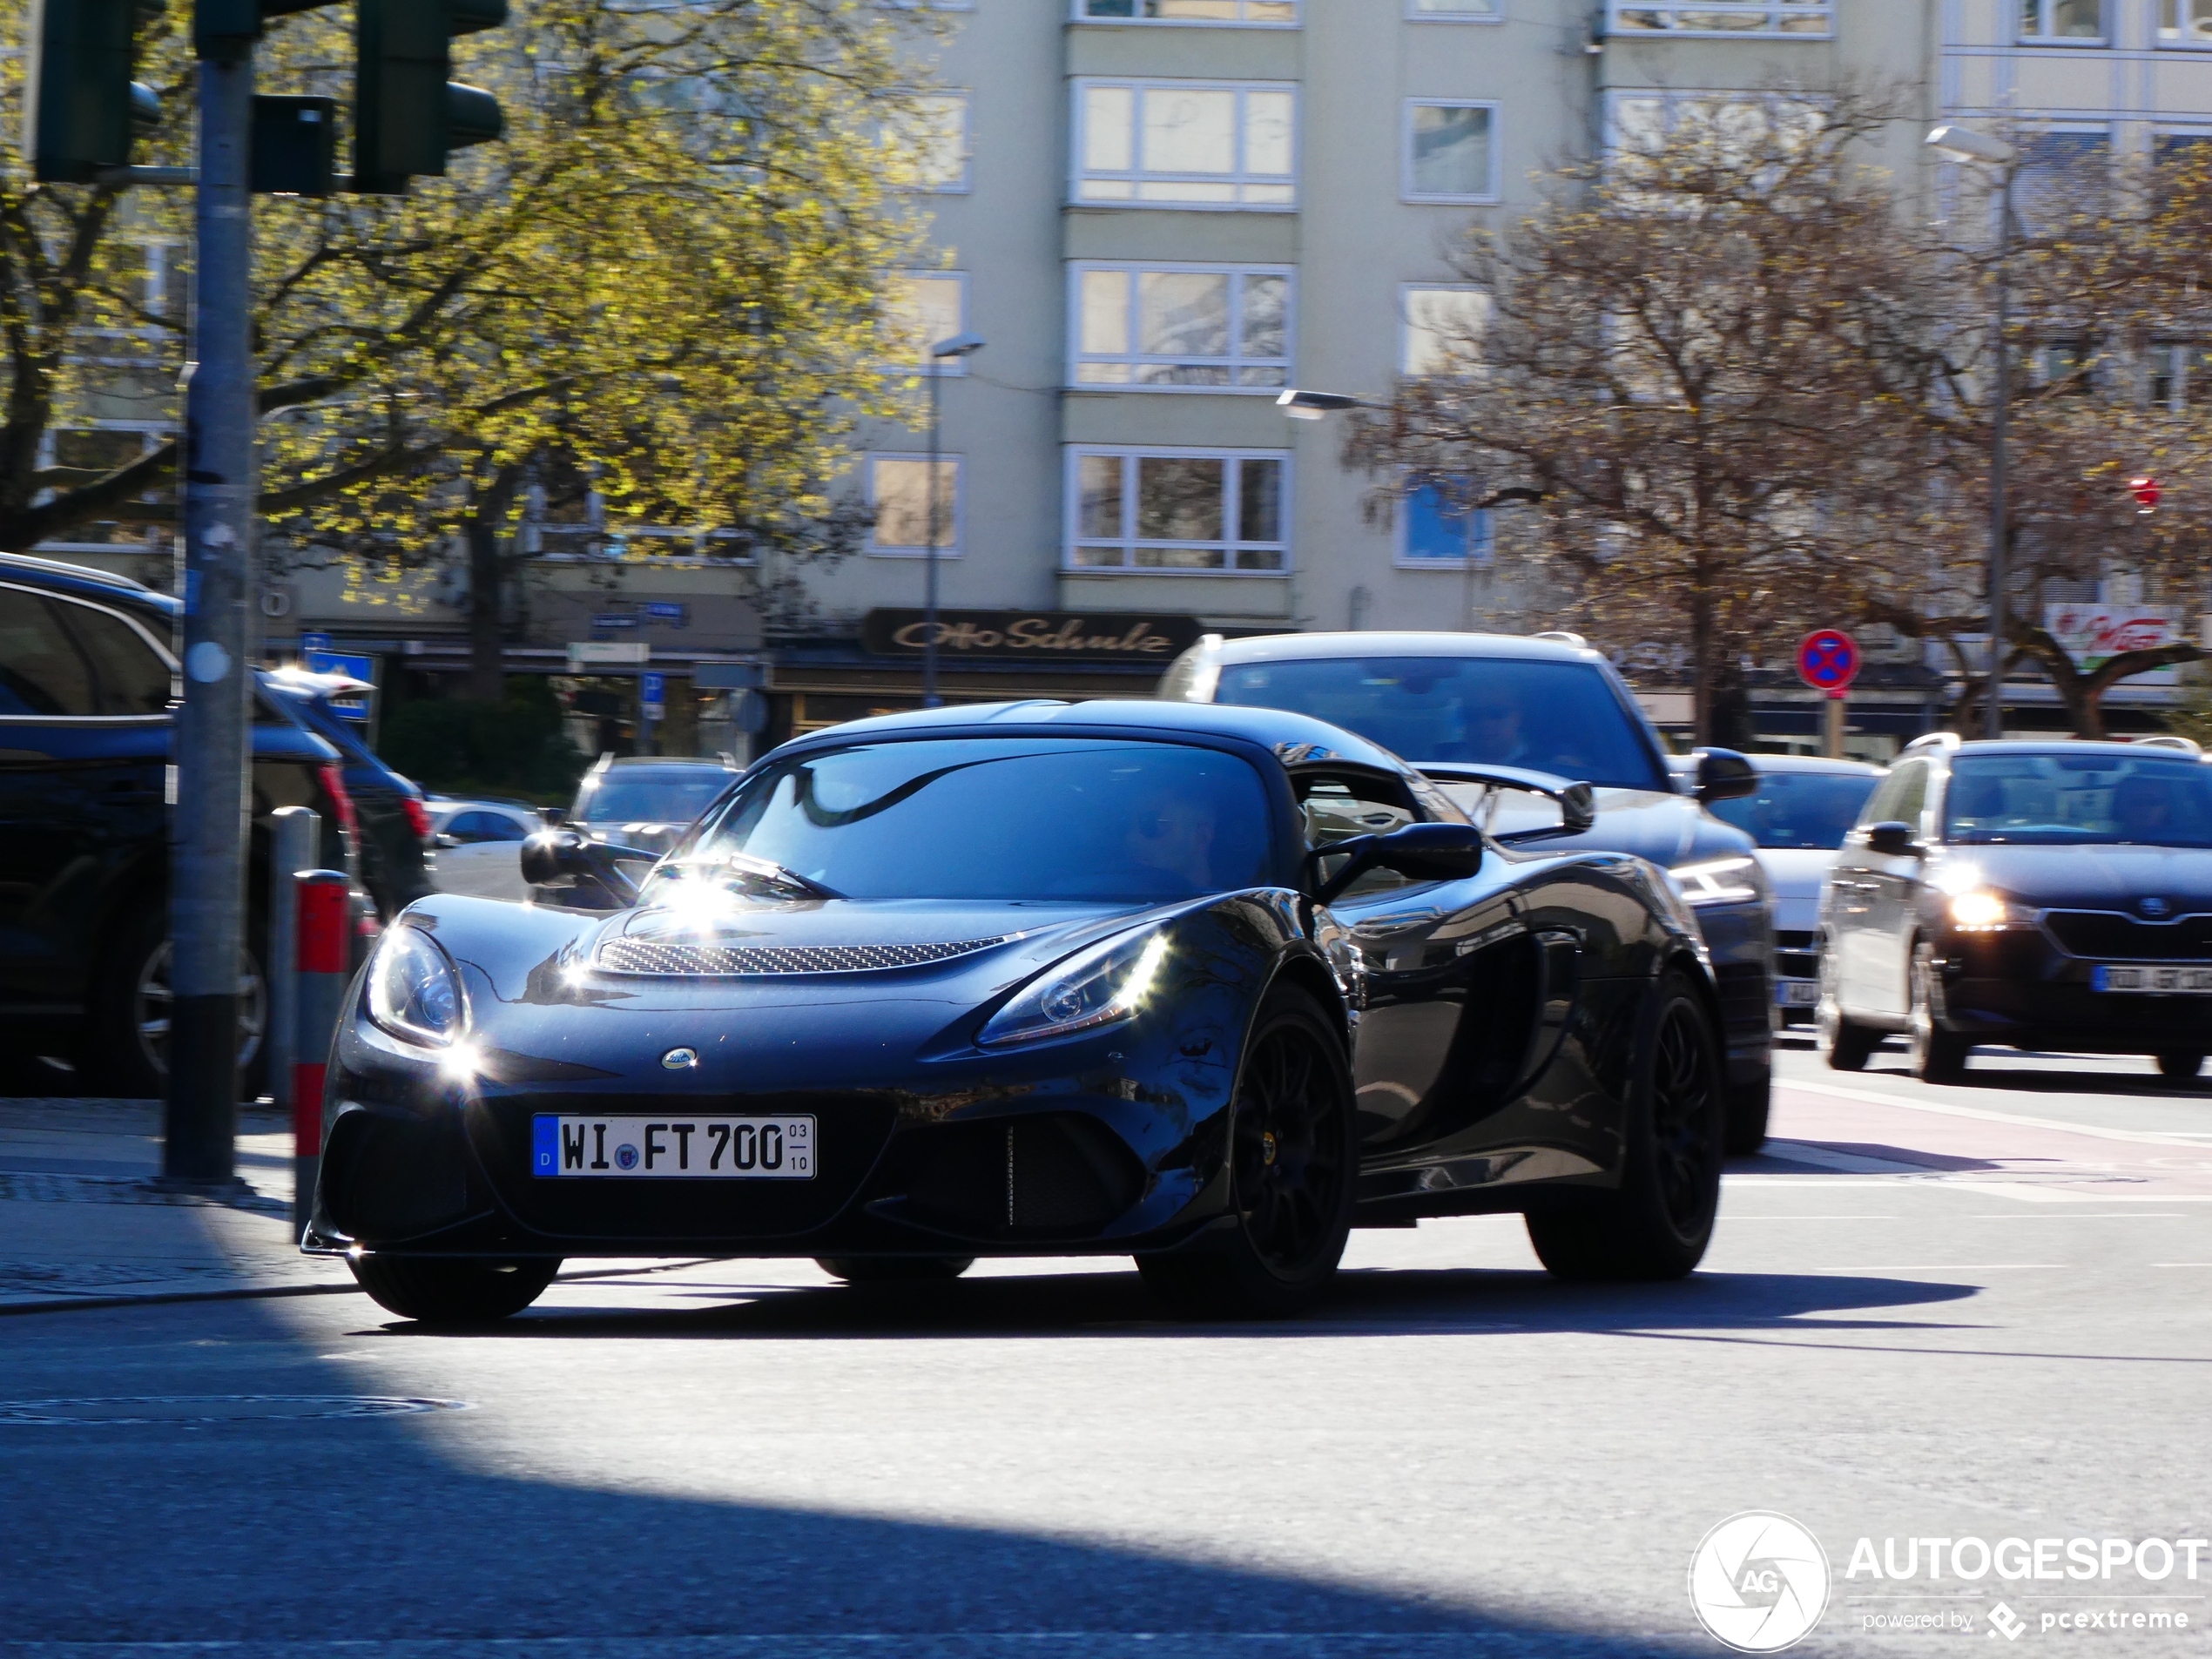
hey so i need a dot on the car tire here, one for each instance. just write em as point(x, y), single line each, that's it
point(130, 1021)
point(1749, 1109)
point(451, 1292)
point(1658, 1223)
point(1843, 1042)
point(2181, 1065)
point(894, 1270)
point(1938, 1055)
point(1293, 1170)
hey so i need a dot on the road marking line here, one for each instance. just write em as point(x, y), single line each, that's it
point(1868, 1097)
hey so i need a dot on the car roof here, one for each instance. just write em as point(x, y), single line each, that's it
point(1834, 768)
point(83, 582)
point(2064, 746)
point(1271, 648)
point(664, 763)
point(1277, 730)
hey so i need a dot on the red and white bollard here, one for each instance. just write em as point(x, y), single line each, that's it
point(324, 900)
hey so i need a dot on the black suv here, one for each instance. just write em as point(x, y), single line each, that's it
point(393, 821)
point(87, 682)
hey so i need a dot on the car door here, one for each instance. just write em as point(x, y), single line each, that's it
point(1893, 882)
point(1851, 888)
point(1465, 997)
point(83, 746)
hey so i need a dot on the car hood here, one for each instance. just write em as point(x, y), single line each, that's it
point(1667, 829)
point(2095, 878)
point(1795, 875)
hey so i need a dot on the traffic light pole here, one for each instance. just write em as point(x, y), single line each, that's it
point(207, 892)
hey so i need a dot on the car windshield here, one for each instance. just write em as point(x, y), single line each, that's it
point(1560, 718)
point(2144, 799)
point(650, 796)
point(1799, 809)
point(998, 819)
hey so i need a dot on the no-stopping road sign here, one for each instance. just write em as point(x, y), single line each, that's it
point(1828, 660)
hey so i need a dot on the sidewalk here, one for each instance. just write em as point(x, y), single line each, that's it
point(82, 1222)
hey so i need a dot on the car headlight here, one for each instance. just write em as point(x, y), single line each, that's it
point(1093, 987)
point(1734, 880)
point(412, 990)
point(1979, 911)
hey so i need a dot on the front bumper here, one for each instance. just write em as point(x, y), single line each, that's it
point(2018, 987)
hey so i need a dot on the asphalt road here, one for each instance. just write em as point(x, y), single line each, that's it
point(1985, 1321)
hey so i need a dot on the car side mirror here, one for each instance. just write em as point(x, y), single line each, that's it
point(1722, 774)
point(1893, 840)
point(1420, 852)
point(550, 854)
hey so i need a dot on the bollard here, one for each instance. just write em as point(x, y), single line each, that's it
point(292, 849)
point(325, 954)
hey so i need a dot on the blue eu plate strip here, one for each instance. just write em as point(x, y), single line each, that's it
point(545, 1145)
point(2097, 977)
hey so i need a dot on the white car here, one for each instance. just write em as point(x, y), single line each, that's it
point(475, 847)
point(1799, 817)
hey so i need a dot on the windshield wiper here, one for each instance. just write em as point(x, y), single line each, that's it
point(771, 873)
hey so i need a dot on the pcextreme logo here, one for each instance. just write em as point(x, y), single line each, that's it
point(1758, 1582)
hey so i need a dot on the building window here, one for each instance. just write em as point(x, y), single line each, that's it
point(1181, 328)
point(1454, 12)
point(1275, 12)
point(1800, 21)
point(1443, 330)
point(899, 490)
point(2185, 23)
point(1435, 532)
point(1449, 155)
point(920, 308)
point(2062, 20)
point(1184, 510)
point(935, 136)
point(2061, 173)
point(1176, 144)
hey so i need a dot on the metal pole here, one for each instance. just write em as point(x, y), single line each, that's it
point(207, 892)
point(295, 836)
point(1832, 736)
point(929, 698)
point(1998, 415)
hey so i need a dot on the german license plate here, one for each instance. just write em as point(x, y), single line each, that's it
point(1797, 993)
point(680, 1146)
point(2167, 982)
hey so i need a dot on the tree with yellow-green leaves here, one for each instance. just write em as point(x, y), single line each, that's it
point(663, 285)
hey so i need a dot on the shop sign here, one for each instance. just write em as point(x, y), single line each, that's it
point(668, 611)
point(586, 653)
point(2091, 634)
point(1045, 636)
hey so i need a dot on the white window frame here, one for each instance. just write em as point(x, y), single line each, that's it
point(951, 367)
point(2043, 10)
point(965, 183)
point(1414, 14)
point(1682, 19)
point(1134, 359)
point(1238, 177)
point(1405, 292)
point(958, 462)
point(1076, 14)
point(150, 435)
point(2167, 32)
point(1407, 190)
point(1071, 523)
point(1481, 540)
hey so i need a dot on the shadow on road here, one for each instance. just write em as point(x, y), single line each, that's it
point(1365, 1303)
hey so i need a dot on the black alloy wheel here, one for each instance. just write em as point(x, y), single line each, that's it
point(2180, 1064)
point(1844, 1043)
point(1938, 1056)
point(130, 1052)
point(1657, 1223)
point(453, 1291)
point(1293, 1159)
point(894, 1270)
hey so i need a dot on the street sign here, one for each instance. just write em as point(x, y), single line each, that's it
point(1828, 660)
point(652, 694)
point(352, 705)
point(314, 642)
point(667, 610)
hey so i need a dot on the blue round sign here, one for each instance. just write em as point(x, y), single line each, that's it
point(1827, 659)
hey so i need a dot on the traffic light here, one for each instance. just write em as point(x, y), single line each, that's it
point(81, 108)
point(409, 115)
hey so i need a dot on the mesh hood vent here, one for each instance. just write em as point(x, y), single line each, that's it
point(646, 956)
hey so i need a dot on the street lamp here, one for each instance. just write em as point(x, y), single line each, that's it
point(1963, 144)
point(1312, 406)
point(944, 351)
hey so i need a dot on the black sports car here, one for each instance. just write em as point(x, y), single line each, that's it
point(2045, 895)
point(1207, 986)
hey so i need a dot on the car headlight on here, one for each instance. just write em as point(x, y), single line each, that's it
point(414, 991)
point(1979, 911)
point(1093, 987)
point(1733, 881)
